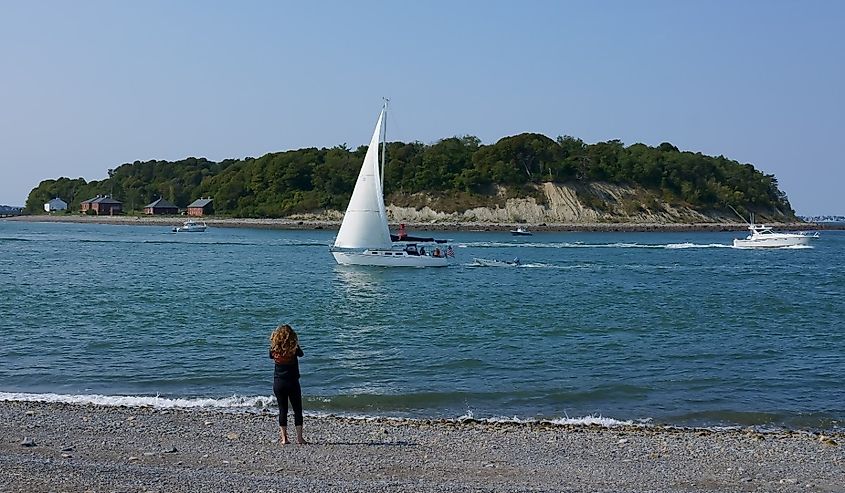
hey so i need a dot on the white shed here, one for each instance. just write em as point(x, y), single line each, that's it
point(55, 204)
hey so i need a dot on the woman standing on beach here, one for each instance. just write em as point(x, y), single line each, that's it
point(285, 351)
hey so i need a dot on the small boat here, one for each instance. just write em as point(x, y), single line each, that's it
point(191, 226)
point(762, 236)
point(485, 262)
point(520, 231)
point(364, 237)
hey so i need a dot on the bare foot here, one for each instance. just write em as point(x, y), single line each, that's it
point(301, 441)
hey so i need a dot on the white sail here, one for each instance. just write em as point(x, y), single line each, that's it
point(365, 222)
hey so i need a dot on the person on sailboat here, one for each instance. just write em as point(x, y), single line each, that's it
point(285, 352)
point(401, 234)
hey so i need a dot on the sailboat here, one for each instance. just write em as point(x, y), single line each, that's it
point(364, 236)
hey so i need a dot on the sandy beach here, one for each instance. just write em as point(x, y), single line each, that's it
point(80, 448)
point(311, 223)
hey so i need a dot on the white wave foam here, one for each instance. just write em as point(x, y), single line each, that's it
point(252, 403)
point(582, 421)
point(234, 401)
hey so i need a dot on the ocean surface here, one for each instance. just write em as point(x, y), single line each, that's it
point(663, 328)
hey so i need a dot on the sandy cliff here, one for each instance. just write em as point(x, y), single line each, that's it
point(564, 204)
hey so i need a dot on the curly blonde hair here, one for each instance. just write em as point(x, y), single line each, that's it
point(284, 341)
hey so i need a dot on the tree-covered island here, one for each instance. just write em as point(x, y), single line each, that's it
point(453, 175)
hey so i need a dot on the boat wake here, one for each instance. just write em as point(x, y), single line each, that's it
point(578, 244)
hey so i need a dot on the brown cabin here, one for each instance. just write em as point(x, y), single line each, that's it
point(161, 206)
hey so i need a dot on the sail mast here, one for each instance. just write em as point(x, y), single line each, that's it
point(384, 141)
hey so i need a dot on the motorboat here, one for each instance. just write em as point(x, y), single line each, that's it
point(485, 262)
point(520, 231)
point(364, 237)
point(763, 236)
point(191, 226)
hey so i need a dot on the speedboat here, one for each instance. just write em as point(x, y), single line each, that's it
point(520, 231)
point(762, 236)
point(191, 226)
point(485, 262)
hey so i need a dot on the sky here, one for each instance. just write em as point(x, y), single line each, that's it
point(88, 85)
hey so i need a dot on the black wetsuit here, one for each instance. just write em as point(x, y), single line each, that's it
point(286, 387)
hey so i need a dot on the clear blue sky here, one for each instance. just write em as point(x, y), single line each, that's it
point(88, 85)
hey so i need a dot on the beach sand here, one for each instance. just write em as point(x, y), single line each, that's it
point(171, 221)
point(78, 448)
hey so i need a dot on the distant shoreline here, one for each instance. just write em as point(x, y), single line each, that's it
point(312, 224)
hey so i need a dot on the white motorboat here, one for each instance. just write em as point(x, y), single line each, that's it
point(520, 231)
point(191, 226)
point(364, 237)
point(762, 236)
point(485, 262)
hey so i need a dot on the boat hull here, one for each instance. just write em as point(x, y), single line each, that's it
point(388, 258)
point(775, 242)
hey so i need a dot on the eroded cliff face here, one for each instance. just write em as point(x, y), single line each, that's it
point(561, 204)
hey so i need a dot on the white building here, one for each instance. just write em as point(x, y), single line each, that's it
point(55, 204)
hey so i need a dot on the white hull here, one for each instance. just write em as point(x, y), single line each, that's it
point(389, 258)
point(774, 240)
point(190, 230)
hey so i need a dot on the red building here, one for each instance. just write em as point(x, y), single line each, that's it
point(104, 205)
point(200, 207)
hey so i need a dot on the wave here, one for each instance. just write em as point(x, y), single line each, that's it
point(258, 403)
point(578, 244)
point(235, 401)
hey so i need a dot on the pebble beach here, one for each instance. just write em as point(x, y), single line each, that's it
point(89, 448)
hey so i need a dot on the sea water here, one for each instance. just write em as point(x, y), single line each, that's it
point(664, 328)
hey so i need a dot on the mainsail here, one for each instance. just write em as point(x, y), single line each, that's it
point(365, 222)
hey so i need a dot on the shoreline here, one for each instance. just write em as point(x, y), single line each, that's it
point(318, 224)
point(84, 447)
